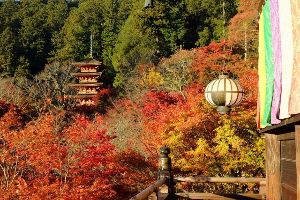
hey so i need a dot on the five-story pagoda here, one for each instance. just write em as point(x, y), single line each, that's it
point(88, 81)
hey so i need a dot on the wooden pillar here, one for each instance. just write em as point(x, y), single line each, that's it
point(273, 167)
point(165, 170)
point(297, 141)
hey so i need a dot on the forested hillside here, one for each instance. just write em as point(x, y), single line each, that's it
point(34, 32)
point(157, 61)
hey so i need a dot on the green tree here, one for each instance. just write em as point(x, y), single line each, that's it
point(115, 13)
point(32, 33)
point(8, 37)
point(57, 12)
point(73, 41)
point(132, 48)
point(166, 21)
point(40, 21)
point(205, 20)
point(26, 29)
point(102, 19)
point(177, 72)
point(7, 52)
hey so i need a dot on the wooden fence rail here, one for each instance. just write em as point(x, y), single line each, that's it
point(149, 190)
point(205, 179)
point(164, 187)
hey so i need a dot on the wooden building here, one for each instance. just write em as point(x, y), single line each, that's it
point(88, 81)
point(283, 159)
point(279, 95)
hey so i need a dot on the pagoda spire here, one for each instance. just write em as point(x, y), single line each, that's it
point(91, 45)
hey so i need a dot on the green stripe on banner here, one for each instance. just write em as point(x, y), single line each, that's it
point(269, 64)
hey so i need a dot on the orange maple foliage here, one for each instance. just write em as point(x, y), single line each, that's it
point(243, 31)
point(195, 131)
point(78, 163)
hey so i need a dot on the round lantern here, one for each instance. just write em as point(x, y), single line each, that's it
point(224, 93)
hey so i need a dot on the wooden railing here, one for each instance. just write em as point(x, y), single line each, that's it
point(149, 190)
point(261, 182)
point(164, 188)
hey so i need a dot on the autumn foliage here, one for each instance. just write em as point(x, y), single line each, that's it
point(110, 151)
point(64, 155)
point(201, 140)
point(78, 163)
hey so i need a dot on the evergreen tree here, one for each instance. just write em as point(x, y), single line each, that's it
point(7, 52)
point(73, 42)
point(33, 37)
point(40, 23)
point(57, 13)
point(9, 47)
point(166, 21)
point(34, 32)
point(205, 21)
point(26, 30)
point(132, 48)
point(102, 20)
point(115, 14)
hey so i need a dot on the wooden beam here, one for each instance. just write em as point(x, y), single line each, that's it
point(205, 179)
point(297, 141)
point(273, 167)
point(286, 125)
point(85, 84)
point(86, 74)
point(219, 196)
point(286, 136)
point(149, 190)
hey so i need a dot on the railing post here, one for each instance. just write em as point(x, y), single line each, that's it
point(263, 189)
point(165, 170)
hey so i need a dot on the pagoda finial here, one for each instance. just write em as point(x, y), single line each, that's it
point(91, 45)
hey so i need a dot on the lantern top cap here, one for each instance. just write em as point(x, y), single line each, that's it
point(165, 150)
point(224, 75)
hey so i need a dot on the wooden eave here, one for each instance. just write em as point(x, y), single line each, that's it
point(84, 96)
point(85, 84)
point(86, 74)
point(286, 125)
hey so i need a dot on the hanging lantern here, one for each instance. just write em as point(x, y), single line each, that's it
point(224, 93)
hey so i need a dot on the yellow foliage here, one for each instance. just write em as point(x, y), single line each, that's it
point(152, 78)
point(202, 147)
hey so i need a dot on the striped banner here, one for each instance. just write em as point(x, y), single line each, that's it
point(279, 62)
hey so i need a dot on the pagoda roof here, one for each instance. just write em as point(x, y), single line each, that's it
point(87, 74)
point(88, 62)
point(85, 84)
